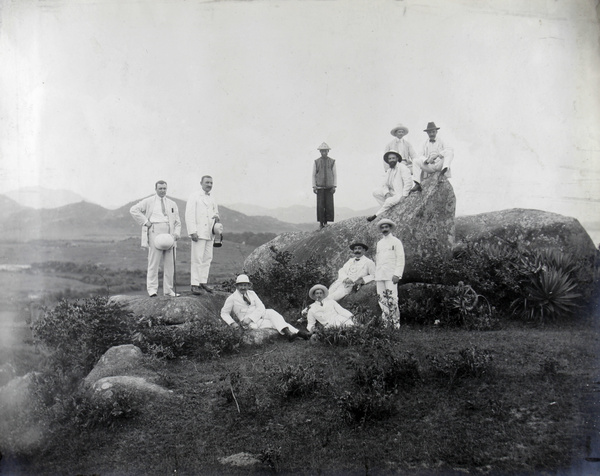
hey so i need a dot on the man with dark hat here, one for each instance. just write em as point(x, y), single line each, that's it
point(161, 228)
point(356, 272)
point(402, 146)
point(250, 313)
point(397, 185)
point(436, 156)
point(324, 182)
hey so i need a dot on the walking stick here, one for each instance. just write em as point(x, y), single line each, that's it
point(174, 271)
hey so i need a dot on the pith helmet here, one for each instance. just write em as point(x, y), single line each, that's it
point(242, 278)
point(311, 293)
point(324, 146)
point(164, 241)
point(398, 128)
point(386, 157)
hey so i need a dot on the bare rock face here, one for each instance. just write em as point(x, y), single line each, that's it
point(121, 360)
point(425, 224)
point(113, 387)
point(175, 310)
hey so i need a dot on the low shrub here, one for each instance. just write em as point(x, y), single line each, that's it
point(469, 362)
point(89, 413)
point(250, 398)
point(298, 381)
point(366, 405)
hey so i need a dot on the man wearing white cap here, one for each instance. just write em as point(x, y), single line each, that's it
point(324, 182)
point(401, 145)
point(250, 312)
point(397, 185)
point(161, 228)
point(437, 156)
point(356, 272)
point(326, 311)
point(389, 266)
point(202, 221)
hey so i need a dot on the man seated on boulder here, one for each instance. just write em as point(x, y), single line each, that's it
point(250, 312)
point(397, 185)
point(357, 271)
point(402, 146)
point(436, 156)
point(326, 311)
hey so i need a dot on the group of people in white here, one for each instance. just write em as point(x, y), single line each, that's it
point(244, 309)
point(405, 169)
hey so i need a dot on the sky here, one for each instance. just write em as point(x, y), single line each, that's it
point(105, 97)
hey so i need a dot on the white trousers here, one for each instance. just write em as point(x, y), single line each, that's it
point(202, 254)
point(420, 168)
point(273, 320)
point(385, 199)
point(339, 290)
point(155, 256)
point(389, 305)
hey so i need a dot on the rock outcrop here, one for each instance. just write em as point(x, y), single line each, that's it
point(425, 224)
point(175, 310)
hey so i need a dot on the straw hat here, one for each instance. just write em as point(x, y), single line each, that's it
point(324, 146)
point(386, 221)
point(311, 293)
point(398, 128)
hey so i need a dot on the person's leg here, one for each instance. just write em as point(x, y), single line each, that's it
point(195, 261)
point(272, 319)
point(168, 270)
point(390, 202)
point(329, 206)
point(207, 255)
point(154, 256)
point(380, 194)
point(339, 290)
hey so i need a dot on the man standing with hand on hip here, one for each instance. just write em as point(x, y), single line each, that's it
point(161, 228)
point(389, 267)
point(201, 216)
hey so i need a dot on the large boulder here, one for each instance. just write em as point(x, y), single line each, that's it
point(112, 388)
point(121, 360)
point(425, 224)
point(178, 310)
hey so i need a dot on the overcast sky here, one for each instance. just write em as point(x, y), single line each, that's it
point(105, 97)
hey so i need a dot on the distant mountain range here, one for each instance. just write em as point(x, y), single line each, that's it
point(40, 197)
point(298, 213)
point(84, 220)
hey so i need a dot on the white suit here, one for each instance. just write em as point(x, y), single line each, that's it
point(405, 149)
point(397, 184)
point(389, 262)
point(255, 311)
point(328, 313)
point(143, 212)
point(353, 269)
point(421, 169)
point(199, 212)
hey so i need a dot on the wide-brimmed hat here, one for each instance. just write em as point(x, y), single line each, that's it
point(324, 146)
point(386, 158)
point(386, 221)
point(164, 241)
point(242, 279)
point(397, 128)
point(431, 127)
point(365, 247)
point(311, 293)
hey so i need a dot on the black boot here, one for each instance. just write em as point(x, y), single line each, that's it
point(303, 334)
point(416, 188)
point(290, 336)
point(371, 218)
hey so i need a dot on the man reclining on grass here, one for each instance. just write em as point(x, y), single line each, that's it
point(326, 311)
point(250, 312)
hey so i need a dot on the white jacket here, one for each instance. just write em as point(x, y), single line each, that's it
point(241, 309)
point(389, 260)
point(353, 269)
point(142, 211)
point(199, 212)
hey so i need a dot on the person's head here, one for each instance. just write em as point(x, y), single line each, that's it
point(318, 292)
point(399, 131)
point(324, 149)
point(431, 130)
point(324, 152)
point(242, 283)
point(386, 226)
point(161, 188)
point(358, 249)
point(392, 158)
point(206, 182)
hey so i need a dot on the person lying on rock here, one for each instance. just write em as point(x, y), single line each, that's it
point(397, 185)
point(326, 311)
point(356, 272)
point(250, 312)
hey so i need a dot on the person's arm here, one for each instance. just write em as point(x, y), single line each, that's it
point(176, 222)
point(216, 216)
point(314, 177)
point(226, 311)
point(138, 212)
point(311, 320)
point(371, 270)
point(333, 169)
point(399, 268)
point(190, 216)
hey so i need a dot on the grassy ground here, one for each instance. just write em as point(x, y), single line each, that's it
point(529, 414)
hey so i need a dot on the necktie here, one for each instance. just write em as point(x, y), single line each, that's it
point(321, 302)
point(431, 140)
point(246, 299)
point(162, 204)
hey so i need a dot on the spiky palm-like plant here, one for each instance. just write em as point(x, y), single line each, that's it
point(549, 294)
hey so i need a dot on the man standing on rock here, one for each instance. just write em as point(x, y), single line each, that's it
point(201, 218)
point(397, 185)
point(324, 182)
point(389, 266)
point(402, 146)
point(436, 156)
point(161, 228)
point(250, 312)
point(356, 272)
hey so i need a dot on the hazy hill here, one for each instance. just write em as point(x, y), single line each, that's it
point(84, 220)
point(40, 197)
point(299, 213)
